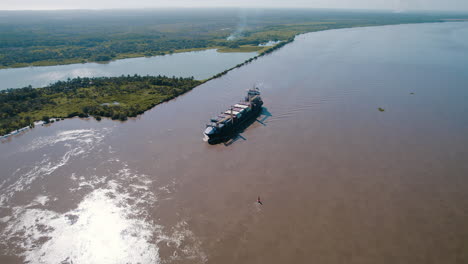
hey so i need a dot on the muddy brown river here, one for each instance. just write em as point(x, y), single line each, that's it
point(340, 181)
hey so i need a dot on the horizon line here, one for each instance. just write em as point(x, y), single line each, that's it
point(239, 7)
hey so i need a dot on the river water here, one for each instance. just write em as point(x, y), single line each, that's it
point(199, 64)
point(341, 181)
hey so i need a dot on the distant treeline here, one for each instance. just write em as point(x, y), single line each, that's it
point(113, 97)
point(55, 37)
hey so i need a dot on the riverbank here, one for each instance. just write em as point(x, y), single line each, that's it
point(199, 64)
point(130, 56)
point(102, 36)
point(265, 51)
point(113, 97)
point(91, 102)
point(245, 44)
point(221, 49)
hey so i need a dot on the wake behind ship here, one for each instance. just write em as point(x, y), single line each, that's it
point(226, 124)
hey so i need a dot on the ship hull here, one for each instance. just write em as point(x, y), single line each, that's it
point(232, 129)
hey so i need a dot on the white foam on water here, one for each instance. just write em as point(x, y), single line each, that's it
point(5, 219)
point(83, 183)
point(180, 234)
point(98, 231)
point(41, 199)
point(82, 138)
point(111, 151)
point(77, 143)
point(110, 224)
point(24, 181)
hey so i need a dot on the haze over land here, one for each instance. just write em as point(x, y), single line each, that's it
point(358, 151)
point(396, 5)
point(341, 181)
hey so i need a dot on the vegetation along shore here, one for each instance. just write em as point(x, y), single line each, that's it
point(81, 36)
point(113, 97)
point(129, 96)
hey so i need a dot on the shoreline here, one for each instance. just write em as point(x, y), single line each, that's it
point(221, 49)
point(135, 55)
point(266, 50)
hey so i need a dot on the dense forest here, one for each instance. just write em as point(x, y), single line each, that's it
point(113, 97)
point(61, 37)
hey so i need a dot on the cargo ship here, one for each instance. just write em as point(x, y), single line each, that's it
point(223, 126)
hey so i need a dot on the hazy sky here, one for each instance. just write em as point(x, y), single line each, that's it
point(397, 5)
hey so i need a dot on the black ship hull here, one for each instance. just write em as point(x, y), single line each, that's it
point(228, 123)
point(231, 129)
